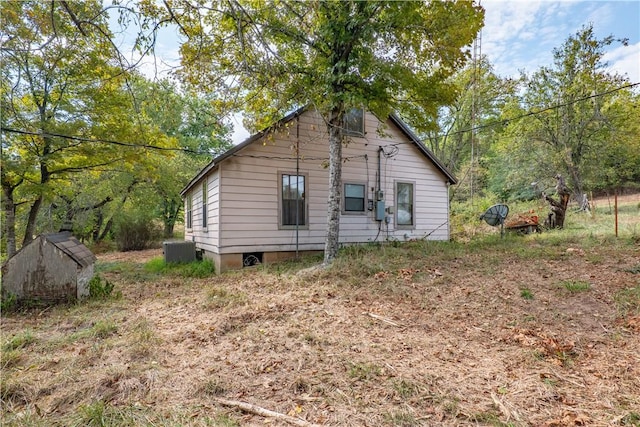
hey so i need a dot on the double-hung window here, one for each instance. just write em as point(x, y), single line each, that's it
point(293, 204)
point(405, 207)
point(354, 197)
point(354, 122)
point(189, 211)
point(205, 204)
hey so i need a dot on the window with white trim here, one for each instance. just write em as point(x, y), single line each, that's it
point(405, 207)
point(189, 211)
point(205, 203)
point(293, 203)
point(354, 122)
point(355, 197)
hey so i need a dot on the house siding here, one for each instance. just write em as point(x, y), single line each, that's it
point(248, 202)
point(207, 238)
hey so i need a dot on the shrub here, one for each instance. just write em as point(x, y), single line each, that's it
point(135, 233)
point(99, 289)
point(8, 302)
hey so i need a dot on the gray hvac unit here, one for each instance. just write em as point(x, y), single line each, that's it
point(179, 251)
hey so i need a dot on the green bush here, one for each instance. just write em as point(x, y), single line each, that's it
point(99, 289)
point(8, 301)
point(135, 233)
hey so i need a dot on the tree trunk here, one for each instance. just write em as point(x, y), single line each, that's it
point(576, 183)
point(331, 244)
point(109, 225)
point(171, 212)
point(107, 230)
point(9, 221)
point(558, 207)
point(45, 176)
point(31, 221)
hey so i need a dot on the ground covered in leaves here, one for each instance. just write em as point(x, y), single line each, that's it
point(528, 330)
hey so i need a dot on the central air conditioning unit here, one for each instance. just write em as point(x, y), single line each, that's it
point(179, 251)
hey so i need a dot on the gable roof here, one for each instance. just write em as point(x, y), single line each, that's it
point(422, 147)
point(72, 247)
point(393, 117)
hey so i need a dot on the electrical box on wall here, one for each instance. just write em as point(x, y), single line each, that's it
point(380, 210)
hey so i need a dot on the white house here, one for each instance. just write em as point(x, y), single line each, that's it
point(266, 198)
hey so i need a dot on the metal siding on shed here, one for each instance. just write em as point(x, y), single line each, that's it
point(53, 267)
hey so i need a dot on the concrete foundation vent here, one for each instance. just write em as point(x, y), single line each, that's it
point(179, 251)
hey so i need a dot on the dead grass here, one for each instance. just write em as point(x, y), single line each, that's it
point(414, 334)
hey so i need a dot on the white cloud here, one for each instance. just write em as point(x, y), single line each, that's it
point(521, 35)
point(511, 28)
point(239, 132)
point(625, 60)
point(600, 16)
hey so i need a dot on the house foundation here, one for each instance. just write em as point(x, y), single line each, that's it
point(237, 261)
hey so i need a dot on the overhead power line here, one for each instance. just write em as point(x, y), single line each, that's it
point(99, 140)
point(536, 112)
point(187, 150)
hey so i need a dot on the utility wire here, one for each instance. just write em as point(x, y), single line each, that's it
point(471, 129)
point(106, 141)
point(303, 158)
point(536, 112)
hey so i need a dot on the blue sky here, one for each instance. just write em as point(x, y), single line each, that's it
point(518, 35)
point(522, 34)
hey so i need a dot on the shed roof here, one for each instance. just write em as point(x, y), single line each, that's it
point(72, 247)
point(394, 118)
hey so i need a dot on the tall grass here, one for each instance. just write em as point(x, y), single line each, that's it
point(597, 225)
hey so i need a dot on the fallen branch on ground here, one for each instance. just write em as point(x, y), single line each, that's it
point(383, 319)
point(257, 410)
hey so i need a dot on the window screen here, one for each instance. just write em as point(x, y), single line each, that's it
point(354, 122)
point(205, 203)
point(404, 203)
point(354, 197)
point(293, 200)
point(189, 211)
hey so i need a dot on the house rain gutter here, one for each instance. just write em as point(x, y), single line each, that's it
point(297, 185)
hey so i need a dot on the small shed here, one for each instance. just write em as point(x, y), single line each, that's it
point(52, 268)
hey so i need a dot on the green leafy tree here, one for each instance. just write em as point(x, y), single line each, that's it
point(572, 123)
point(191, 119)
point(616, 162)
point(65, 105)
point(513, 162)
point(482, 95)
point(267, 58)
point(149, 188)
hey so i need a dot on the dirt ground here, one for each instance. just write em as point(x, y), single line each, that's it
point(549, 336)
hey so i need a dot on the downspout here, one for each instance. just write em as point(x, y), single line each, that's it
point(297, 183)
point(379, 172)
point(448, 210)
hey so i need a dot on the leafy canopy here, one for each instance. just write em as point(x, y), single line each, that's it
point(269, 57)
